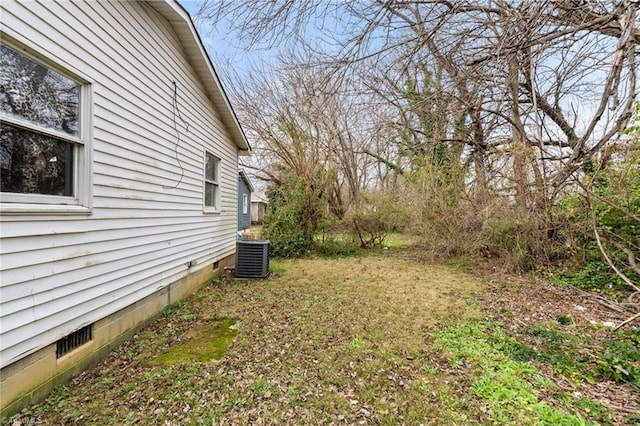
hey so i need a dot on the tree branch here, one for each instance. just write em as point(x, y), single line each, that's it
point(386, 162)
point(619, 273)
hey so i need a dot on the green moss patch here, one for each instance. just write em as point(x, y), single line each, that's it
point(203, 343)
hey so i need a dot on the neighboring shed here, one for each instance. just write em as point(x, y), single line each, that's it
point(244, 201)
point(259, 204)
point(119, 159)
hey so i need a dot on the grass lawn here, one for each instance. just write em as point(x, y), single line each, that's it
point(364, 340)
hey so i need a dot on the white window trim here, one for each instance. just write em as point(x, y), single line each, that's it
point(216, 202)
point(245, 203)
point(81, 202)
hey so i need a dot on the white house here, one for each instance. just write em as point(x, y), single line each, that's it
point(119, 161)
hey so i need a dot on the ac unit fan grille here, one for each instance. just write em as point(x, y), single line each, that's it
point(252, 259)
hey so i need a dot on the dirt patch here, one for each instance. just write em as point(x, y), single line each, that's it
point(537, 300)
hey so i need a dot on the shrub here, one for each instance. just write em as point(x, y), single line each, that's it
point(438, 212)
point(331, 247)
point(612, 194)
point(285, 237)
point(369, 228)
point(283, 222)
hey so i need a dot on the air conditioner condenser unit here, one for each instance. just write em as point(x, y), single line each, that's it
point(252, 259)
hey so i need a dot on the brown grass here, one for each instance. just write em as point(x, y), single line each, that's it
point(383, 339)
point(330, 341)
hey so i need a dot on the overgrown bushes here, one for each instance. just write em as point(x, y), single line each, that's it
point(288, 224)
point(607, 202)
point(378, 215)
point(453, 220)
point(298, 220)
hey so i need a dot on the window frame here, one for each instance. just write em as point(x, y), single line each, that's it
point(215, 208)
point(80, 201)
point(245, 203)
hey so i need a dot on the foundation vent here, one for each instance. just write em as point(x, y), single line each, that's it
point(74, 340)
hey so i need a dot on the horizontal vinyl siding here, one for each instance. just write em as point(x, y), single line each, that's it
point(244, 219)
point(62, 272)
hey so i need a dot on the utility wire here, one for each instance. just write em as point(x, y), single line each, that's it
point(176, 113)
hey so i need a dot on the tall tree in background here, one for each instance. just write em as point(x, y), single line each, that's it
point(557, 77)
point(311, 137)
point(519, 96)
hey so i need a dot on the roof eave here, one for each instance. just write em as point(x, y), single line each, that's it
point(245, 177)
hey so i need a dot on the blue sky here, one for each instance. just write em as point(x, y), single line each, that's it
point(224, 46)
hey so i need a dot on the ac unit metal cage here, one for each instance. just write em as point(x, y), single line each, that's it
point(252, 259)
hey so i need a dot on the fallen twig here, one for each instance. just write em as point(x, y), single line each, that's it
point(624, 409)
point(627, 321)
point(614, 306)
point(611, 305)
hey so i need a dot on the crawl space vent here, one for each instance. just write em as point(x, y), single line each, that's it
point(252, 259)
point(73, 340)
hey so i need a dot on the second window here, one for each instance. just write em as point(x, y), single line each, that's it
point(212, 181)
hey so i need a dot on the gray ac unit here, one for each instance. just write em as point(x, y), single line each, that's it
point(252, 259)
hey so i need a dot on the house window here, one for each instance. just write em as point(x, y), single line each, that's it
point(212, 182)
point(41, 132)
point(245, 203)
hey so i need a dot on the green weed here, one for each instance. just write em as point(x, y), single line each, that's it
point(276, 269)
point(179, 309)
point(620, 361)
point(564, 319)
point(594, 410)
point(355, 343)
point(259, 388)
point(503, 383)
point(595, 275)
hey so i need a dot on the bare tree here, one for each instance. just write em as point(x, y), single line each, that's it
point(514, 100)
point(548, 83)
point(304, 125)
